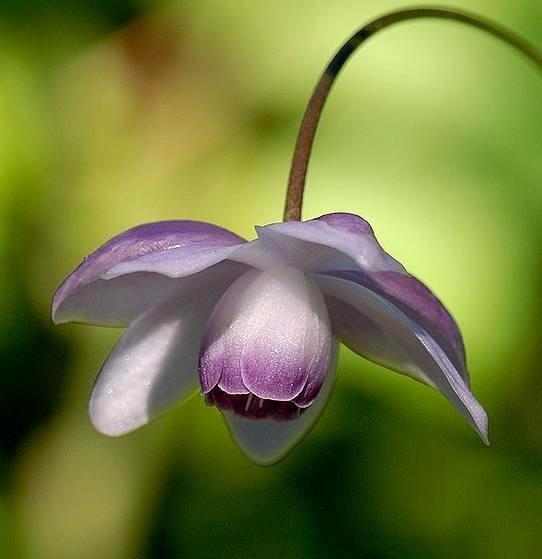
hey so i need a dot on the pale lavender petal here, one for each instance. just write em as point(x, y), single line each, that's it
point(154, 364)
point(220, 359)
point(148, 253)
point(378, 329)
point(330, 242)
point(267, 441)
point(421, 305)
point(268, 335)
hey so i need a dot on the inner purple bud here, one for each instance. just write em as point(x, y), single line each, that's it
point(252, 407)
point(267, 345)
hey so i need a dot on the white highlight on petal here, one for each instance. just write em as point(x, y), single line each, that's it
point(154, 364)
point(144, 254)
point(317, 246)
point(174, 262)
point(384, 334)
point(267, 441)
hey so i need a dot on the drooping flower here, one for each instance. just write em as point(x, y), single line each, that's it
point(259, 321)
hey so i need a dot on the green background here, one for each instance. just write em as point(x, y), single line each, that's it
point(117, 113)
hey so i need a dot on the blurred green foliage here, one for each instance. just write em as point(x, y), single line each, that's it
point(117, 113)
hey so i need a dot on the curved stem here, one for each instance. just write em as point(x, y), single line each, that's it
point(313, 112)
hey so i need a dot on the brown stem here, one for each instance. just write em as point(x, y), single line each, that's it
point(313, 112)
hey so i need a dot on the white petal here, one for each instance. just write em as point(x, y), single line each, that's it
point(154, 364)
point(174, 262)
point(267, 441)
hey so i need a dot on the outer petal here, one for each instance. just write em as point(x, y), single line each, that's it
point(268, 441)
point(377, 329)
point(416, 300)
point(154, 364)
point(331, 242)
point(268, 335)
point(152, 254)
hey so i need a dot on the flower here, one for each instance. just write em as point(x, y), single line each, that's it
point(259, 320)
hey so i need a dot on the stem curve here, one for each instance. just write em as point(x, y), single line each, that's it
point(313, 112)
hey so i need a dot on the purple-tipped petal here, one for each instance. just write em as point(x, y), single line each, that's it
point(154, 364)
point(376, 328)
point(269, 335)
point(267, 441)
point(220, 360)
point(134, 270)
point(331, 242)
point(417, 301)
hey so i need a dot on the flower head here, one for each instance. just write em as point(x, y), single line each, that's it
point(256, 324)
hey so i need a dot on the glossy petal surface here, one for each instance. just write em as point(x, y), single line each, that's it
point(377, 329)
point(100, 291)
point(269, 335)
point(154, 364)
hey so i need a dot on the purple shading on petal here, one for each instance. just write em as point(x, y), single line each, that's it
point(375, 327)
point(268, 338)
point(417, 301)
point(251, 407)
point(189, 240)
point(220, 351)
point(347, 222)
point(269, 439)
point(274, 376)
point(318, 370)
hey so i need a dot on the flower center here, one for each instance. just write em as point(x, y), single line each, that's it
point(252, 407)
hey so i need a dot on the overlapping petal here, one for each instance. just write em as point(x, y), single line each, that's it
point(417, 301)
point(154, 364)
point(267, 441)
point(140, 268)
point(344, 245)
point(376, 328)
point(262, 317)
point(336, 241)
point(269, 336)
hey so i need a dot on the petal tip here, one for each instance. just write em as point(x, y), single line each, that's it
point(479, 420)
point(108, 421)
point(483, 429)
point(57, 316)
point(56, 301)
point(108, 429)
point(254, 443)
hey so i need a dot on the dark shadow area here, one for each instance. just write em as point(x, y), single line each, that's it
point(34, 356)
point(114, 13)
